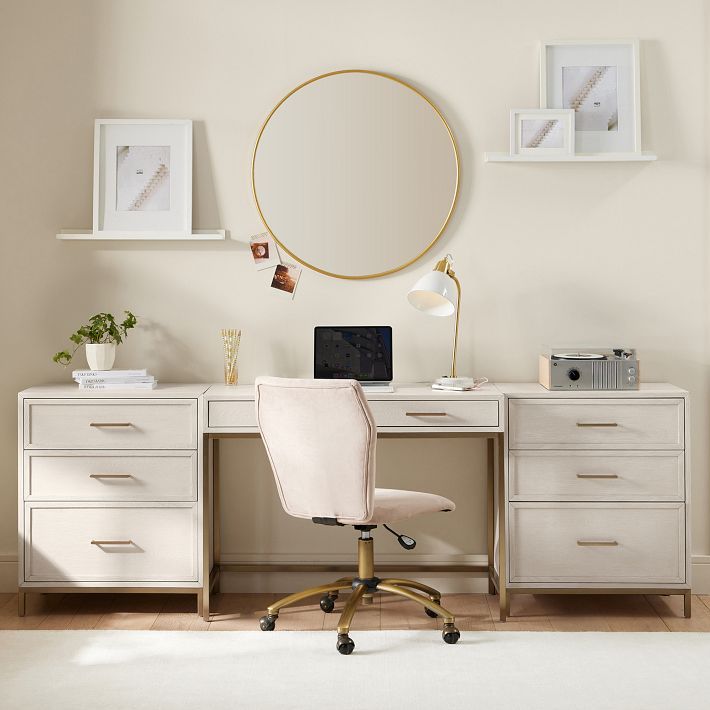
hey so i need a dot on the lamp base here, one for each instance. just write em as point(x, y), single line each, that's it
point(454, 383)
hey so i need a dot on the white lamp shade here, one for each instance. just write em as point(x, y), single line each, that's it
point(435, 294)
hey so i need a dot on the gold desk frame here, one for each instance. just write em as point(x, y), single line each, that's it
point(211, 529)
point(453, 201)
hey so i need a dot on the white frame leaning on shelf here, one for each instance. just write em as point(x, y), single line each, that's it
point(564, 116)
point(623, 56)
point(173, 222)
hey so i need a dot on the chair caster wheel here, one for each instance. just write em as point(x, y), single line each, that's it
point(431, 613)
point(345, 644)
point(327, 603)
point(450, 634)
point(268, 623)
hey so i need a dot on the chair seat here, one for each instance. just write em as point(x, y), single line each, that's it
point(392, 504)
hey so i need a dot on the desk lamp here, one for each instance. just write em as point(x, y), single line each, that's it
point(434, 294)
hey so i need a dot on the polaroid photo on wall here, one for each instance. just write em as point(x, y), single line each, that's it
point(264, 251)
point(286, 278)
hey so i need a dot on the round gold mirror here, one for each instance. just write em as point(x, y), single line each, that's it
point(355, 174)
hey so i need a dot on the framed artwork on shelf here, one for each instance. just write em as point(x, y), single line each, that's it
point(142, 177)
point(542, 132)
point(599, 81)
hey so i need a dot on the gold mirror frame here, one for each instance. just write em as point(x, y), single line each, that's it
point(453, 201)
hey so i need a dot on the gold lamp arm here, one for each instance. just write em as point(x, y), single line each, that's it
point(444, 265)
point(456, 327)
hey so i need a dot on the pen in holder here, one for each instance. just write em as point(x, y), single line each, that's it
point(231, 338)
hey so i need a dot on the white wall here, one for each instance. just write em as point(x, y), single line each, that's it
point(603, 254)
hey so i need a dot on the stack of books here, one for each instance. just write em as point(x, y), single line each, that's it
point(114, 380)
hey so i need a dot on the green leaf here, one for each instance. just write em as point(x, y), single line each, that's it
point(63, 357)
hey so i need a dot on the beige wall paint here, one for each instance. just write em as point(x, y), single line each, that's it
point(605, 254)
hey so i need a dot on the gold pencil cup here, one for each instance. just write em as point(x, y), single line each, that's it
point(231, 339)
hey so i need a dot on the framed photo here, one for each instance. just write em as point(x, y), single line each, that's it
point(542, 132)
point(599, 81)
point(143, 177)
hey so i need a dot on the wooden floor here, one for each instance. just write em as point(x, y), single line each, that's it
point(474, 612)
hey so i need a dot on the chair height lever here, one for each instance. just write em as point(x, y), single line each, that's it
point(408, 543)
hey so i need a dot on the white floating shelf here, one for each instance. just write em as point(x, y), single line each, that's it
point(199, 235)
point(576, 158)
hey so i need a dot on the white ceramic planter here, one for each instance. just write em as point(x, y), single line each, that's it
point(100, 356)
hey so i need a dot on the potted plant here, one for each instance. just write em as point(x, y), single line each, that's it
point(100, 335)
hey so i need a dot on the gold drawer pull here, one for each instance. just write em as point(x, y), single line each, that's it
point(597, 543)
point(99, 543)
point(110, 424)
point(426, 414)
point(602, 424)
point(110, 475)
point(597, 475)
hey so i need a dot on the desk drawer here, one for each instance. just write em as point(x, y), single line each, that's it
point(231, 414)
point(601, 424)
point(111, 424)
point(613, 543)
point(435, 413)
point(110, 476)
point(401, 413)
point(146, 544)
point(597, 475)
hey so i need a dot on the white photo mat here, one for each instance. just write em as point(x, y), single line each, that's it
point(542, 132)
point(142, 177)
point(607, 77)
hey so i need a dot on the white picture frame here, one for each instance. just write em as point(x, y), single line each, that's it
point(142, 177)
point(543, 133)
point(600, 80)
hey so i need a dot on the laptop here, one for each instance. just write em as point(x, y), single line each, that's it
point(362, 353)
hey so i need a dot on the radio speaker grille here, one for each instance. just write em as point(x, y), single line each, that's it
point(606, 375)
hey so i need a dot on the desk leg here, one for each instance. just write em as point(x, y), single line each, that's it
point(216, 515)
point(206, 525)
point(502, 552)
point(491, 512)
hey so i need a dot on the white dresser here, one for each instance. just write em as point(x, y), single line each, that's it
point(110, 490)
point(597, 491)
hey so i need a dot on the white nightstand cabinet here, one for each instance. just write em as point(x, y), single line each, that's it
point(110, 489)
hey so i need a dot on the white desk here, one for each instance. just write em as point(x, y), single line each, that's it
point(587, 492)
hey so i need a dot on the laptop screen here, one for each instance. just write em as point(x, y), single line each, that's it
point(362, 353)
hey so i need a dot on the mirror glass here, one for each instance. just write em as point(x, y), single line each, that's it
point(355, 174)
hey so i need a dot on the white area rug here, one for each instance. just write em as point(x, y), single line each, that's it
point(132, 670)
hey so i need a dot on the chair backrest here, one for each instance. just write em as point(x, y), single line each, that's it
point(320, 437)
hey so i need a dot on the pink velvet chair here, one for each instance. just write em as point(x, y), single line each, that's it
point(320, 438)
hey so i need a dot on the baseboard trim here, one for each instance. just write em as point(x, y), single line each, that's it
point(8, 573)
point(278, 582)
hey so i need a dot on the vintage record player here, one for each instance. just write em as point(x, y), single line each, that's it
point(589, 369)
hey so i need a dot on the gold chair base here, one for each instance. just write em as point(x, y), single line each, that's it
point(362, 592)
point(363, 587)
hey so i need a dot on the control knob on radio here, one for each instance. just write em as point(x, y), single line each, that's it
point(573, 374)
